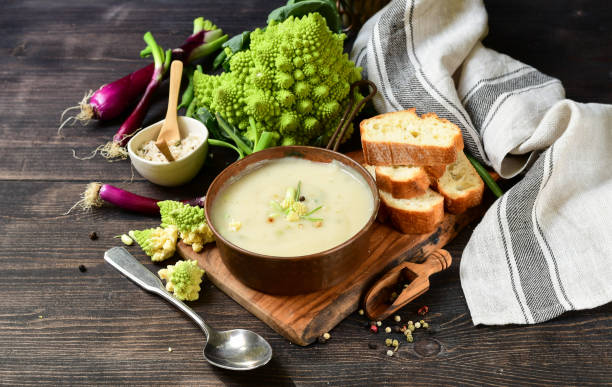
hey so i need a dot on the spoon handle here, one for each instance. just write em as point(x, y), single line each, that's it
point(176, 70)
point(129, 266)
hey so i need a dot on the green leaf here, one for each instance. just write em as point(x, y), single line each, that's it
point(224, 144)
point(266, 139)
point(237, 43)
point(233, 133)
point(326, 8)
point(219, 59)
point(209, 120)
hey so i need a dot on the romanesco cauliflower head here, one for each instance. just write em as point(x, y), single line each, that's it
point(190, 222)
point(294, 81)
point(183, 279)
point(158, 243)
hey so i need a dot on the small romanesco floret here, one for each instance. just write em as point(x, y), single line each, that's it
point(293, 206)
point(294, 81)
point(158, 243)
point(190, 221)
point(183, 279)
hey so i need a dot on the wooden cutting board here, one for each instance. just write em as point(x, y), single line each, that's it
point(303, 318)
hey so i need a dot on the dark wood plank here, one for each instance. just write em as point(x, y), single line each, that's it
point(99, 323)
point(98, 328)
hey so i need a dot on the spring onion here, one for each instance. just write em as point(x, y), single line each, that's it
point(112, 99)
point(486, 177)
point(96, 194)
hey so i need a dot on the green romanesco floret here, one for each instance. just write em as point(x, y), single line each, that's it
point(190, 222)
point(183, 279)
point(294, 81)
point(293, 206)
point(158, 243)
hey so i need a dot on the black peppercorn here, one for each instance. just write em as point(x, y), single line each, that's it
point(302, 198)
point(93, 235)
point(82, 268)
point(372, 346)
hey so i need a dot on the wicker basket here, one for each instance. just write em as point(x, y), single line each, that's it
point(355, 12)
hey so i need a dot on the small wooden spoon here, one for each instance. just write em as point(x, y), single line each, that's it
point(169, 133)
point(377, 302)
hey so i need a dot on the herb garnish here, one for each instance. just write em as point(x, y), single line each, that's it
point(293, 206)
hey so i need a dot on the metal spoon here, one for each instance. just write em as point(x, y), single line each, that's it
point(237, 349)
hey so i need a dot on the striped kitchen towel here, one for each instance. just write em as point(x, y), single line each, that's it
point(545, 247)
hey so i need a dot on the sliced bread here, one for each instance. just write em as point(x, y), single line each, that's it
point(404, 138)
point(460, 185)
point(417, 215)
point(402, 182)
point(435, 171)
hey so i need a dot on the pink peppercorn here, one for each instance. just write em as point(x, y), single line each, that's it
point(373, 329)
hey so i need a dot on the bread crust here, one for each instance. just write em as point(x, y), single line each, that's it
point(435, 171)
point(413, 221)
point(383, 213)
point(398, 153)
point(403, 189)
point(457, 203)
point(460, 204)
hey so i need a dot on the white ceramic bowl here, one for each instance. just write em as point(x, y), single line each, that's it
point(177, 172)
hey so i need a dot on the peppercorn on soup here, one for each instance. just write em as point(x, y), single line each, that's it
point(291, 207)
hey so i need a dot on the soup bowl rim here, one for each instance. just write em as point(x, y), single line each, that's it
point(222, 180)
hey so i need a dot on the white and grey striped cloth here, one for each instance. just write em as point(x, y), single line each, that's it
point(545, 247)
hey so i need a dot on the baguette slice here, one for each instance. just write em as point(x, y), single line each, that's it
point(418, 215)
point(435, 171)
point(460, 185)
point(404, 138)
point(402, 182)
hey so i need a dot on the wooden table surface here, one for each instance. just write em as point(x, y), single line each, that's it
point(61, 326)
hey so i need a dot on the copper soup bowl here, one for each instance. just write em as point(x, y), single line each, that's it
point(300, 274)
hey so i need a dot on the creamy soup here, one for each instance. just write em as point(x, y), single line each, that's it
point(291, 206)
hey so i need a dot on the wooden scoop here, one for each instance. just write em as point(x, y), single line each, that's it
point(169, 133)
point(377, 302)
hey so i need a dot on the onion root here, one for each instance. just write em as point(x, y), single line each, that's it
point(85, 115)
